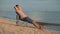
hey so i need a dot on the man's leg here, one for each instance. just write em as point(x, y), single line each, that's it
point(22, 15)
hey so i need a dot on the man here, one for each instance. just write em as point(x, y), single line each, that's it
point(24, 17)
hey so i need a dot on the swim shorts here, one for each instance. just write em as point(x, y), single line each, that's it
point(27, 19)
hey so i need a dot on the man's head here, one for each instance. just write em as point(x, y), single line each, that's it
point(17, 7)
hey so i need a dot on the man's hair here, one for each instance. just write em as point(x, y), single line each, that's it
point(17, 5)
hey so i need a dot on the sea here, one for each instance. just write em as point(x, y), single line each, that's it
point(52, 17)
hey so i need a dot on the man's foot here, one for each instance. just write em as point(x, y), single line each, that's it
point(42, 27)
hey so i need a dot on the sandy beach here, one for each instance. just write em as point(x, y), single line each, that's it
point(9, 27)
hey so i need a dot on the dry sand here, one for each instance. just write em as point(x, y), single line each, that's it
point(9, 27)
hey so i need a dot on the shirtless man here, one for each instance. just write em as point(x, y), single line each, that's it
point(24, 17)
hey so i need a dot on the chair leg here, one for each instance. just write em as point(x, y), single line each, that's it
point(17, 20)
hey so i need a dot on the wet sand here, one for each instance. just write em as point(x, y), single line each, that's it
point(9, 27)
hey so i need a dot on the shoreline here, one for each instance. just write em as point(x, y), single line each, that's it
point(10, 25)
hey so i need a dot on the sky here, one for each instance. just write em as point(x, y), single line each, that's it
point(31, 5)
